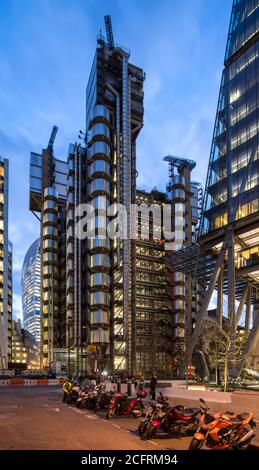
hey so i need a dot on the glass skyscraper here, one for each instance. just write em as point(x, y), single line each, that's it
point(233, 176)
point(31, 290)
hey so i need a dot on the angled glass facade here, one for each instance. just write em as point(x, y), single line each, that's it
point(232, 189)
point(31, 290)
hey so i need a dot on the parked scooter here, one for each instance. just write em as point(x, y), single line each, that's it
point(122, 404)
point(173, 419)
point(223, 431)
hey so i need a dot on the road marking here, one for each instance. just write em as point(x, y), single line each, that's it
point(51, 408)
point(90, 416)
point(152, 442)
point(76, 410)
point(116, 426)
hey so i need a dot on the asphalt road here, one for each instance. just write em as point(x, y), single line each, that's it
point(36, 418)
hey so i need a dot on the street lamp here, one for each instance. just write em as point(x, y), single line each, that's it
point(69, 324)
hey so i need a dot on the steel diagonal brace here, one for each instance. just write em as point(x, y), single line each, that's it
point(241, 305)
point(249, 346)
point(204, 307)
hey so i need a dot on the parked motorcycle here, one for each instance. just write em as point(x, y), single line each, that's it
point(103, 400)
point(223, 430)
point(82, 400)
point(153, 411)
point(173, 419)
point(124, 405)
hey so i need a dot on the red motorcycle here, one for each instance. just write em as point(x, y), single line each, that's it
point(174, 419)
point(123, 405)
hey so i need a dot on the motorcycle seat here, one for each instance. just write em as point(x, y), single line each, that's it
point(186, 411)
point(243, 416)
point(235, 421)
point(179, 409)
point(190, 411)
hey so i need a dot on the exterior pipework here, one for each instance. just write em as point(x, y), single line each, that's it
point(178, 278)
point(75, 316)
point(49, 261)
point(79, 339)
point(118, 152)
point(126, 154)
point(70, 300)
point(99, 258)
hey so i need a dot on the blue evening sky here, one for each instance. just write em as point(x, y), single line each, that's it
point(46, 50)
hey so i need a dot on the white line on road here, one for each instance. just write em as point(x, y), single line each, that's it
point(90, 416)
point(76, 410)
point(51, 408)
point(116, 426)
point(152, 442)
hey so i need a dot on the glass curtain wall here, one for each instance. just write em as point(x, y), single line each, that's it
point(232, 188)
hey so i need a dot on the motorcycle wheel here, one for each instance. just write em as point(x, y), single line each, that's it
point(193, 429)
point(245, 446)
point(195, 444)
point(110, 413)
point(78, 404)
point(142, 428)
point(150, 432)
point(137, 411)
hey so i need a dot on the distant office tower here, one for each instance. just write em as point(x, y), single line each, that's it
point(5, 270)
point(30, 286)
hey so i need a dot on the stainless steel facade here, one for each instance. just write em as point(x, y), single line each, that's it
point(48, 195)
point(108, 301)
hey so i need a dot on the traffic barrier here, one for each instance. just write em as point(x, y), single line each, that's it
point(17, 382)
point(42, 381)
point(4, 383)
point(30, 382)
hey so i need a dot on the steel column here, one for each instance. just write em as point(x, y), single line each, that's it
point(248, 310)
point(231, 285)
point(241, 306)
point(220, 296)
point(251, 342)
point(204, 308)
